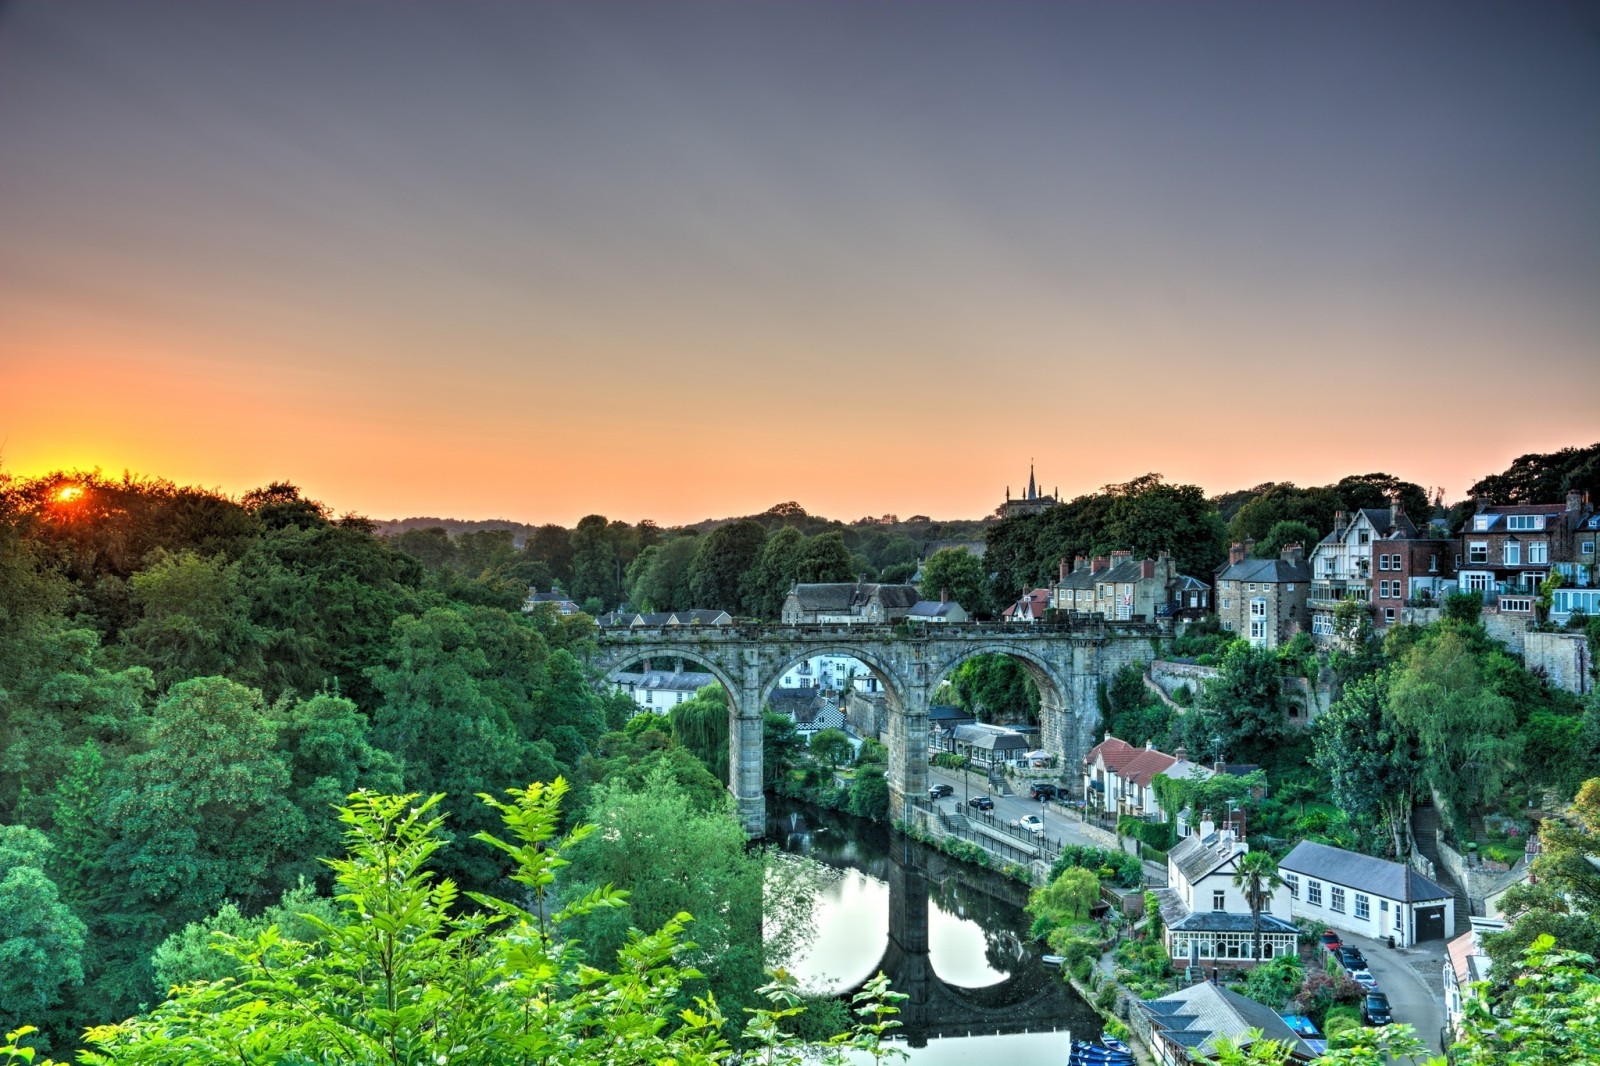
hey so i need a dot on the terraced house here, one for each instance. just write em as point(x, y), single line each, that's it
point(1507, 551)
point(1264, 599)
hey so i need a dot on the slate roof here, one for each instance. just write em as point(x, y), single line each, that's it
point(664, 680)
point(827, 597)
point(1269, 570)
point(895, 595)
point(1366, 873)
point(703, 617)
point(931, 608)
point(1228, 922)
point(1196, 1016)
point(944, 712)
point(1198, 857)
point(792, 701)
point(991, 738)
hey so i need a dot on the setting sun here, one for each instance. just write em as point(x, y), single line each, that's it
point(69, 494)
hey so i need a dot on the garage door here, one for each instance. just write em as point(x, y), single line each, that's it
point(1430, 923)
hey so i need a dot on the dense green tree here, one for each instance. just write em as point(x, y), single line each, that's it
point(552, 545)
point(720, 562)
point(960, 574)
point(774, 571)
point(596, 566)
point(194, 620)
point(700, 724)
point(658, 578)
point(1243, 704)
point(1068, 899)
point(41, 940)
point(1543, 477)
point(671, 858)
point(1465, 731)
point(996, 688)
point(432, 547)
point(203, 814)
point(869, 795)
point(782, 748)
point(1372, 762)
point(1281, 535)
point(824, 558)
point(832, 748)
point(1148, 517)
point(193, 952)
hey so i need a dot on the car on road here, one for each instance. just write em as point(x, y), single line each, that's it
point(1363, 977)
point(940, 791)
point(1350, 957)
point(1043, 790)
point(1030, 823)
point(983, 803)
point(1375, 1009)
point(1330, 940)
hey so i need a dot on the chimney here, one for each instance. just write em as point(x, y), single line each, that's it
point(1117, 557)
point(1482, 504)
point(1396, 512)
point(944, 595)
point(1576, 498)
point(1207, 826)
point(1080, 562)
point(1149, 745)
point(1182, 754)
point(1294, 553)
point(1063, 566)
point(1147, 568)
point(1236, 553)
point(1100, 563)
point(1338, 522)
point(1249, 544)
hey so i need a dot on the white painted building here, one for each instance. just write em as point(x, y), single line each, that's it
point(831, 673)
point(1365, 895)
point(660, 690)
point(1207, 916)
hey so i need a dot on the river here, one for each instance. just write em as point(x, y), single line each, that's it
point(953, 937)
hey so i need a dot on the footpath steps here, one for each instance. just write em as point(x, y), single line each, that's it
point(1425, 827)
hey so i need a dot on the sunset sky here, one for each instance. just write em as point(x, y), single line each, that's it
point(676, 260)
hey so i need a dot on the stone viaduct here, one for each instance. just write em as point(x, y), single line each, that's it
point(1067, 661)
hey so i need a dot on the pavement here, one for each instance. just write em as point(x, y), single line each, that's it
point(1413, 978)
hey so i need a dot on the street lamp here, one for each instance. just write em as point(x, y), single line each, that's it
point(1216, 746)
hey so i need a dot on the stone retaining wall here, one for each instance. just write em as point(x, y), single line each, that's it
point(1477, 880)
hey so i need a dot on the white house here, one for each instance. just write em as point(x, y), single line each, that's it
point(1365, 895)
point(1207, 916)
point(831, 673)
point(660, 690)
point(1119, 777)
point(1465, 965)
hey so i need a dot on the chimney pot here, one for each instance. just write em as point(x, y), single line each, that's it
point(1236, 553)
point(1063, 566)
point(1182, 754)
point(1576, 499)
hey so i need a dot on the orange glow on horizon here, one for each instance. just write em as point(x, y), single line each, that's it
point(69, 494)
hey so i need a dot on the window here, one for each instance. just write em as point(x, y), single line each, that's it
point(1227, 623)
point(1477, 582)
point(1397, 917)
point(650, 697)
point(1519, 604)
point(1252, 586)
point(1388, 614)
point(1480, 522)
point(1363, 537)
point(1258, 607)
point(1433, 564)
point(1219, 901)
point(1226, 602)
point(1588, 547)
point(1291, 586)
point(1314, 893)
point(1336, 899)
point(1383, 562)
point(1363, 906)
point(1258, 629)
point(1293, 883)
point(1322, 625)
point(1477, 551)
point(1525, 521)
point(1538, 552)
point(1513, 553)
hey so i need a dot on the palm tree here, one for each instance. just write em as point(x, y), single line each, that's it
point(1257, 876)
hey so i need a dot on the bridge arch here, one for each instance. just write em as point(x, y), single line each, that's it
point(688, 655)
point(876, 663)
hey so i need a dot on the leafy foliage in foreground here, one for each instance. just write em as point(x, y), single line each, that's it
point(412, 973)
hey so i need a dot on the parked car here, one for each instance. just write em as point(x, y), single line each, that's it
point(1363, 977)
point(1350, 957)
point(1031, 823)
point(1375, 1009)
point(940, 791)
point(1043, 790)
point(1330, 940)
point(983, 803)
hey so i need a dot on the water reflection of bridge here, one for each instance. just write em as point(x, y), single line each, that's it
point(1031, 998)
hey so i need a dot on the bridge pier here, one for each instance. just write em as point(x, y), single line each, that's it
point(745, 737)
point(908, 745)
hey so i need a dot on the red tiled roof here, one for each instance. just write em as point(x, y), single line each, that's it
point(1112, 752)
point(1145, 765)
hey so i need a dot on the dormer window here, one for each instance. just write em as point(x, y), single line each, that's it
point(1525, 521)
point(1480, 522)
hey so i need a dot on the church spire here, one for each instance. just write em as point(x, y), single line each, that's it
point(1033, 493)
